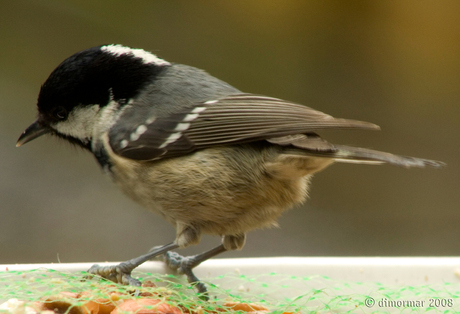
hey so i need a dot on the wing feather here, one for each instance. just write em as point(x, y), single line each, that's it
point(230, 120)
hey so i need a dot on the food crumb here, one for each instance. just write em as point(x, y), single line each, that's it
point(457, 272)
point(114, 296)
point(14, 306)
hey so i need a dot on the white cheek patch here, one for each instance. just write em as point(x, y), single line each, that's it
point(80, 123)
point(108, 115)
point(147, 57)
point(89, 122)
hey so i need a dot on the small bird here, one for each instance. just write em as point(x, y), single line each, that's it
point(207, 157)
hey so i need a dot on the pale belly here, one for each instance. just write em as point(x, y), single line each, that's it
point(220, 191)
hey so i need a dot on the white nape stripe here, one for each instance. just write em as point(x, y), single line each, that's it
point(210, 102)
point(147, 57)
point(172, 138)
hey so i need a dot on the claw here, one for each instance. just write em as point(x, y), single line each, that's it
point(184, 265)
point(121, 273)
point(117, 273)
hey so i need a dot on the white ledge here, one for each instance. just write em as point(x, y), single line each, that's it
point(385, 270)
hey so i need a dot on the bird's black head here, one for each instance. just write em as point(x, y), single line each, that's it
point(72, 96)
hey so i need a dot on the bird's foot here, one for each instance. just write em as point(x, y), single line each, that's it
point(120, 273)
point(184, 265)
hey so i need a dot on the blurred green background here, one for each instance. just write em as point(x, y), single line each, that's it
point(394, 63)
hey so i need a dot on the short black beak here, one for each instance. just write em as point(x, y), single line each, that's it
point(34, 130)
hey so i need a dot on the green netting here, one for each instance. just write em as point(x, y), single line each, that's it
point(279, 293)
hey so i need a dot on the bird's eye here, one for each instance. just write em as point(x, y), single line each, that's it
point(60, 113)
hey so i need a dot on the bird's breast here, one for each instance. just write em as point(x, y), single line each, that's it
point(222, 190)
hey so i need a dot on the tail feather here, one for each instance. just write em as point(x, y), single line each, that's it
point(364, 155)
point(315, 146)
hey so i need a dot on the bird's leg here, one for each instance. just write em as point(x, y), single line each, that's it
point(121, 273)
point(185, 264)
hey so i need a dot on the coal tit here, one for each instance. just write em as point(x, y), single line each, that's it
point(207, 157)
